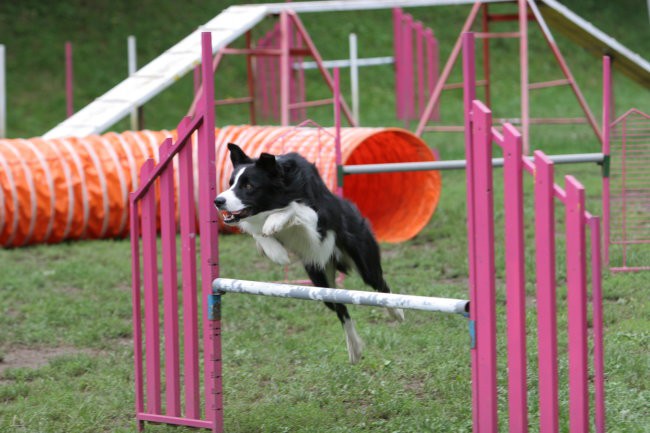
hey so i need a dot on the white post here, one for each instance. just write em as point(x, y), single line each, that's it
point(354, 77)
point(3, 94)
point(133, 67)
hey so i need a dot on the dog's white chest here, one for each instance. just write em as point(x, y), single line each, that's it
point(292, 229)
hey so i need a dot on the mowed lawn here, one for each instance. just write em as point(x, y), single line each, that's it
point(66, 350)
point(67, 356)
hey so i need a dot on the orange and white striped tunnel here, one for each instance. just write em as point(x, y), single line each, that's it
point(77, 188)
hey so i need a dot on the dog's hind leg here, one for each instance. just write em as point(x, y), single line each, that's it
point(368, 264)
point(326, 278)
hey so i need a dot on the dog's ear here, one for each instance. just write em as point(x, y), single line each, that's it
point(267, 162)
point(237, 156)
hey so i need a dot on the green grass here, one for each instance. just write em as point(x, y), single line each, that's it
point(65, 310)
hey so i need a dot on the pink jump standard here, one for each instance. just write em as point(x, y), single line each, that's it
point(482, 135)
point(144, 214)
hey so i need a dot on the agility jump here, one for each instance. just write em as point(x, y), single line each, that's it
point(208, 412)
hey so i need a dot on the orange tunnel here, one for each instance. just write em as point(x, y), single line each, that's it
point(77, 188)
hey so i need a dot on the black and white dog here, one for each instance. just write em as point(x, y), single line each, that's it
point(285, 205)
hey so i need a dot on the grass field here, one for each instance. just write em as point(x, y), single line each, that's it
point(66, 356)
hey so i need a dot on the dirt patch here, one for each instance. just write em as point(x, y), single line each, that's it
point(35, 358)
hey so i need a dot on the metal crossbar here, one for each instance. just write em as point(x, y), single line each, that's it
point(341, 296)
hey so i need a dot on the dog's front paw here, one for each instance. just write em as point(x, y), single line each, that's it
point(273, 250)
point(275, 223)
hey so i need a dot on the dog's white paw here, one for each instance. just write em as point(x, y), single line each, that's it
point(275, 223)
point(396, 314)
point(273, 250)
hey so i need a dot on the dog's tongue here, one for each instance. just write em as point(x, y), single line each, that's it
point(226, 214)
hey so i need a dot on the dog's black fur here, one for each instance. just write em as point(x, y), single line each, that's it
point(283, 202)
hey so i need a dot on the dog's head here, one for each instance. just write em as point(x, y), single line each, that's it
point(255, 186)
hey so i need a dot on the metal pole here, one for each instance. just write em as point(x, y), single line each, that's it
point(461, 164)
point(354, 77)
point(606, 128)
point(341, 296)
point(3, 94)
point(523, 74)
point(68, 80)
point(133, 67)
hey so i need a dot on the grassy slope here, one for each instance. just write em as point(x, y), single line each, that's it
point(286, 367)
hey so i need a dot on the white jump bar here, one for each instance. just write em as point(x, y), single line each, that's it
point(340, 296)
point(460, 164)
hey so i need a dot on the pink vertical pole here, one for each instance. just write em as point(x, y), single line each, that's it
point(135, 294)
point(419, 58)
point(208, 226)
point(301, 80)
point(606, 128)
point(150, 267)
point(577, 307)
point(515, 280)
point(484, 265)
point(69, 80)
point(337, 138)
point(262, 89)
point(433, 64)
point(546, 307)
point(523, 72)
point(398, 54)
point(273, 76)
point(170, 282)
point(251, 81)
point(407, 71)
point(285, 58)
point(469, 93)
point(597, 310)
point(188, 260)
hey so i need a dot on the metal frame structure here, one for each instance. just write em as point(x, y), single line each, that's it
point(521, 17)
point(289, 29)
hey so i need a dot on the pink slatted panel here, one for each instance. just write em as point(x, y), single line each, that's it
point(546, 304)
point(433, 64)
point(170, 282)
point(143, 222)
point(407, 70)
point(208, 227)
point(419, 59)
point(469, 93)
point(188, 261)
point(577, 306)
point(597, 311)
point(484, 256)
point(150, 272)
point(515, 280)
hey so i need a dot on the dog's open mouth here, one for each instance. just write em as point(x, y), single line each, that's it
point(233, 217)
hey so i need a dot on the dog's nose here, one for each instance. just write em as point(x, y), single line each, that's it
point(219, 201)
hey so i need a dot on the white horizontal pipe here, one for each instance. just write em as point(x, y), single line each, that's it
point(459, 164)
point(357, 5)
point(340, 296)
point(345, 63)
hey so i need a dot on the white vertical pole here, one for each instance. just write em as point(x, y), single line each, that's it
point(133, 67)
point(354, 77)
point(3, 94)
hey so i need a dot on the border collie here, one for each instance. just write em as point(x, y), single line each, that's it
point(285, 205)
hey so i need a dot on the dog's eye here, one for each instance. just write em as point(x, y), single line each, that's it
point(248, 187)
